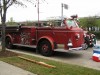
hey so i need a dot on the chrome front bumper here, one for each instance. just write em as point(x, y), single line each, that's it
point(83, 46)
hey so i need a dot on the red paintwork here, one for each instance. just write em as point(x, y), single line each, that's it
point(31, 35)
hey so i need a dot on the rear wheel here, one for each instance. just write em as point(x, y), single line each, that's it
point(45, 48)
point(9, 44)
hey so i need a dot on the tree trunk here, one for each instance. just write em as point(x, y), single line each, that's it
point(3, 36)
point(3, 20)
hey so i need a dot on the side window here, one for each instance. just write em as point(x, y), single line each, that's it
point(36, 24)
point(71, 23)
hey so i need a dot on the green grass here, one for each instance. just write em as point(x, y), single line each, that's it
point(61, 68)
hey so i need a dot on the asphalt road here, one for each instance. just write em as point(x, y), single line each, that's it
point(81, 58)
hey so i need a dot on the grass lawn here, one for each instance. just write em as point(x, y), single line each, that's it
point(61, 68)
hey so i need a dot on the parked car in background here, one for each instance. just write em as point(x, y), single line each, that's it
point(90, 39)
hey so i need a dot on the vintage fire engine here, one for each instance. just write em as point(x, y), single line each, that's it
point(48, 37)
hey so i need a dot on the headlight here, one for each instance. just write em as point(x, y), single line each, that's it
point(77, 36)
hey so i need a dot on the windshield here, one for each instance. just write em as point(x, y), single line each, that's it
point(71, 23)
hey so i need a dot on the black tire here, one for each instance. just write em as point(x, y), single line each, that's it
point(87, 41)
point(45, 48)
point(9, 44)
point(86, 46)
point(91, 45)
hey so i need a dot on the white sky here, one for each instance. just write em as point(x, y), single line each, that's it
point(52, 8)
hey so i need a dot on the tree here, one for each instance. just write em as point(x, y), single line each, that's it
point(4, 5)
point(87, 22)
point(83, 22)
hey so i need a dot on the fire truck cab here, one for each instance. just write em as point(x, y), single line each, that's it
point(48, 37)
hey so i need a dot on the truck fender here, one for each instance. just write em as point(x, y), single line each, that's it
point(47, 38)
point(9, 36)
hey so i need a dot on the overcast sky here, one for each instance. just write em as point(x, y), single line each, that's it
point(52, 8)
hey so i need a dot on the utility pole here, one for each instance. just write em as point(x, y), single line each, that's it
point(38, 12)
point(61, 12)
point(63, 6)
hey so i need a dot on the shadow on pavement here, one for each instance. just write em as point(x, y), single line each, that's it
point(57, 54)
point(67, 55)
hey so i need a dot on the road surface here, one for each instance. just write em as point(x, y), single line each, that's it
point(81, 58)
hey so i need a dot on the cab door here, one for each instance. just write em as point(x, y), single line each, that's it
point(60, 35)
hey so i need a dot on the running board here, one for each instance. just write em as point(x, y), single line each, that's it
point(30, 46)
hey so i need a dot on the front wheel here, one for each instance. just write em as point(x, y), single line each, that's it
point(45, 48)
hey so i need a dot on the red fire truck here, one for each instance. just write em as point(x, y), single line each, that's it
point(47, 37)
